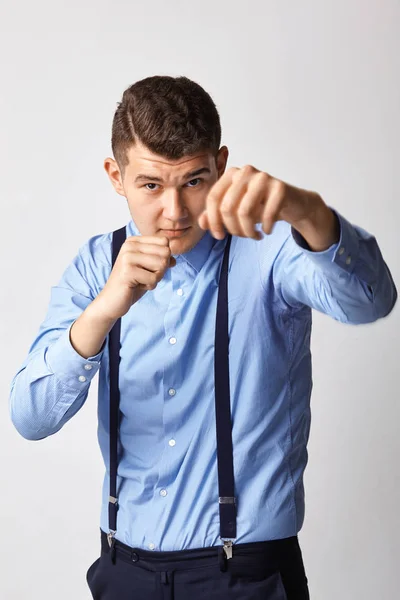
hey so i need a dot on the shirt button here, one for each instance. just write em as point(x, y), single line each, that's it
point(88, 367)
point(172, 392)
point(172, 340)
point(135, 557)
point(163, 492)
point(341, 250)
point(152, 546)
point(179, 292)
point(172, 442)
point(82, 378)
point(348, 260)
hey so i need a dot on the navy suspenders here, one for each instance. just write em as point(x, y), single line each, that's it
point(119, 236)
point(227, 500)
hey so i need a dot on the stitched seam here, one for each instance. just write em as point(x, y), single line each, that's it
point(285, 309)
point(291, 345)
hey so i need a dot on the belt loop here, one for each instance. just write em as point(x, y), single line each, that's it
point(164, 576)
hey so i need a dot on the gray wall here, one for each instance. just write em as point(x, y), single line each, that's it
point(307, 91)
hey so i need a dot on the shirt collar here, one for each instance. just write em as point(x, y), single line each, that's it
point(196, 257)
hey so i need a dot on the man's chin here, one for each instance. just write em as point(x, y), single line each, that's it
point(183, 245)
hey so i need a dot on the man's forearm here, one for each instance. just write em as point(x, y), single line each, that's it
point(89, 331)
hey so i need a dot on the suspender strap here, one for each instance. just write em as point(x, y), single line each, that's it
point(227, 503)
point(119, 237)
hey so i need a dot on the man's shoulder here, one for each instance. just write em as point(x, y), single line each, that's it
point(97, 248)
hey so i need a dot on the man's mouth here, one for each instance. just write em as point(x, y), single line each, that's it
point(175, 232)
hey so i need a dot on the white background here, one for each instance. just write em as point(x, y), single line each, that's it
point(307, 91)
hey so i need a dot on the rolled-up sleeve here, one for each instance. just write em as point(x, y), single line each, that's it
point(350, 281)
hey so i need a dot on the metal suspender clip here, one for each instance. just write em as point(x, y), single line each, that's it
point(228, 548)
point(111, 542)
point(110, 537)
point(111, 534)
point(228, 544)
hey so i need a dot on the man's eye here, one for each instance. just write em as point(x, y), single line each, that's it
point(197, 179)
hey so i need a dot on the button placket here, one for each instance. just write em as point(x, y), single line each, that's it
point(171, 380)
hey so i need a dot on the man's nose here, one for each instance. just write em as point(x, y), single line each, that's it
point(174, 208)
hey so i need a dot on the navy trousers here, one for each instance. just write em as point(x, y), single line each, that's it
point(257, 571)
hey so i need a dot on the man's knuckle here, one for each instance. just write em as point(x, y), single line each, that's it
point(262, 177)
point(212, 198)
point(164, 263)
point(244, 211)
point(279, 187)
point(165, 251)
point(227, 206)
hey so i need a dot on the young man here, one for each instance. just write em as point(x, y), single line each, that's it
point(199, 325)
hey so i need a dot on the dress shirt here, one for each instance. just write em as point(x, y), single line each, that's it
point(167, 472)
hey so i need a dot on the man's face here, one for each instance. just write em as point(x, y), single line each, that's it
point(166, 197)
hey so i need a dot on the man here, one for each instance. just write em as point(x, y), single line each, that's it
point(197, 316)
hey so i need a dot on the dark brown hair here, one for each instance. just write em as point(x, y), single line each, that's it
point(172, 116)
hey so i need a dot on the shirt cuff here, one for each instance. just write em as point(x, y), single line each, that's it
point(68, 366)
point(344, 253)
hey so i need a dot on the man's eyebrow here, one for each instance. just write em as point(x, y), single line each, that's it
point(143, 177)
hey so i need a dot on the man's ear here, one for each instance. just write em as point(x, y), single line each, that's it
point(222, 159)
point(112, 169)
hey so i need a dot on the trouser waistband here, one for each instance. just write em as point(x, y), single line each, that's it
point(271, 551)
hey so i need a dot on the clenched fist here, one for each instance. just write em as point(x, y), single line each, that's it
point(140, 265)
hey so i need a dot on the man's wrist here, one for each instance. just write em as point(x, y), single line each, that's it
point(321, 229)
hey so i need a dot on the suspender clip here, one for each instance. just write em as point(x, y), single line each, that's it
point(111, 537)
point(228, 548)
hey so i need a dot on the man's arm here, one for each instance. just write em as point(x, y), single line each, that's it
point(325, 262)
point(348, 280)
point(322, 229)
point(52, 383)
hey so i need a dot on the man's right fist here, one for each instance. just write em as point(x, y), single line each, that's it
point(140, 265)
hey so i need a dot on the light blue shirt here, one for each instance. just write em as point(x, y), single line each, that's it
point(167, 475)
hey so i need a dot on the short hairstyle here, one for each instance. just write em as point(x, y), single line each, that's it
point(172, 116)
